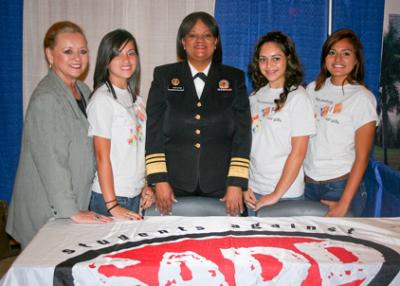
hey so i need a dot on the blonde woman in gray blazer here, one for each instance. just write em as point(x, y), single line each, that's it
point(56, 165)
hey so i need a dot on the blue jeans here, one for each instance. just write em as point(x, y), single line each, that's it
point(98, 205)
point(334, 191)
point(251, 212)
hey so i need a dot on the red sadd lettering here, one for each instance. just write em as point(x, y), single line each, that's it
point(236, 260)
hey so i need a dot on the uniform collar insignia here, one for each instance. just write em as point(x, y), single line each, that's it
point(175, 81)
point(175, 85)
point(224, 85)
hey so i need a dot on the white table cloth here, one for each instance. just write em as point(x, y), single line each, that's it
point(209, 251)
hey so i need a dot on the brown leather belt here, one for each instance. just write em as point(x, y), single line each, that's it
point(334, 180)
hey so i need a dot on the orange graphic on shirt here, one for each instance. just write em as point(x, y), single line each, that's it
point(324, 110)
point(327, 109)
point(254, 117)
point(266, 111)
point(136, 134)
point(255, 122)
point(337, 108)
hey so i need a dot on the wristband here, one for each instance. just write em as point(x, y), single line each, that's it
point(114, 200)
point(114, 206)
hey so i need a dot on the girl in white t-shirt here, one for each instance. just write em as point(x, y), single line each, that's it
point(346, 119)
point(117, 119)
point(282, 121)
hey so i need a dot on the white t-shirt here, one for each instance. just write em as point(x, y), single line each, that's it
point(339, 112)
point(272, 133)
point(124, 123)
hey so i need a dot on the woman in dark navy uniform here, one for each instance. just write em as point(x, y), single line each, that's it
point(198, 129)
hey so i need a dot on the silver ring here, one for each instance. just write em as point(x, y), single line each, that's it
point(96, 217)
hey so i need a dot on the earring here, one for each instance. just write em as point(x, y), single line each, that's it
point(50, 66)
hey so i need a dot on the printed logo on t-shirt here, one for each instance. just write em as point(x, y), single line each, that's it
point(267, 113)
point(331, 109)
point(255, 123)
point(136, 134)
point(141, 115)
point(270, 111)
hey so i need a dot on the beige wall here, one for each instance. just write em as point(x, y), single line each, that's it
point(154, 23)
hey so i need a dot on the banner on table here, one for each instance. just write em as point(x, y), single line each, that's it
point(214, 251)
point(226, 251)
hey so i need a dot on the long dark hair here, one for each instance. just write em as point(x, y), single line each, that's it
point(357, 74)
point(294, 70)
point(186, 26)
point(110, 47)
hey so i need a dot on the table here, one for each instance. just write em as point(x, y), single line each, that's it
point(209, 251)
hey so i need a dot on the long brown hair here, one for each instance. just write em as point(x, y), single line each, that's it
point(294, 70)
point(110, 46)
point(357, 74)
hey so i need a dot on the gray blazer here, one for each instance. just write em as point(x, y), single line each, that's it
point(56, 165)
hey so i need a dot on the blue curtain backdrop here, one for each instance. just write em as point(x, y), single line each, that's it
point(11, 13)
point(366, 19)
point(243, 22)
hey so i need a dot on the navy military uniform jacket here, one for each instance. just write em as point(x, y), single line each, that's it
point(194, 142)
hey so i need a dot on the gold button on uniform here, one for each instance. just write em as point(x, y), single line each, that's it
point(198, 104)
point(197, 131)
point(197, 117)
point(197, 145)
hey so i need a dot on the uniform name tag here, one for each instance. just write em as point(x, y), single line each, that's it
point(176, 88)
point(224, 89)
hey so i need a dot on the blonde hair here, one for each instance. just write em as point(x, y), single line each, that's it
point(58, 28)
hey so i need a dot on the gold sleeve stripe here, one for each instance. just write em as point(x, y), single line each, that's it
point(156, 167)
point(238, 171)
point(242, 162)
point(239, 159)
point(244, 165)
point(149, 161)
point(155, 155)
